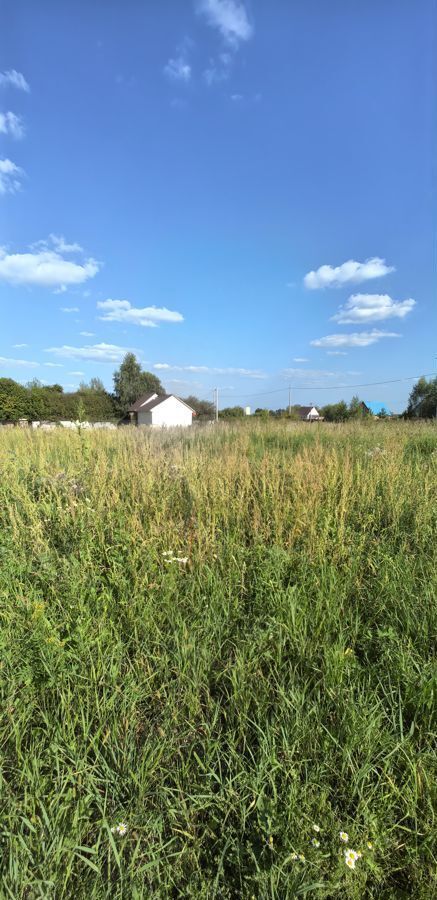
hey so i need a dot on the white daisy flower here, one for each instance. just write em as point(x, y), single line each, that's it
point(316, 828)
point(315, 842)
point(344, 836)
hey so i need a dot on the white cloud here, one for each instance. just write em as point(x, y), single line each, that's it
point(300, 359)
point(350, 272)
point(148, 316)
point(219, 69)
point(53, 365)
point(365, 308)
point(15, 79)
point(336, 353)
point(11, 124)
point(237, 97)
point(44, 268)
point(356, 339)
point(4, 361)
point(10, 175)
point(76, 373)
point(87, 333)
point(93, 352)
point(19, 346)
point(69, 309)
point(178, 69)
point(61, 245)
point(309, 374)
point(230, 17)
point(248, 373)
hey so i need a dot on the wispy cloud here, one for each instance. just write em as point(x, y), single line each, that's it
point(45, 267)
point(76, 373)
point(69, 309)
point(15, 79)
point(51, 365)
point(336, 353)
point(10, 177)
point(19, 346)
point(93, 352)
point(300, 359)
point(236, 98)
point(230, 17)
point(62, 246)
point(350, 272)
point(148, 316)
point(356, 339)
point(86, 333)
point(178, 69)
point(12, 125)
point(208, 370)
point(6, 361)
point(363, 308)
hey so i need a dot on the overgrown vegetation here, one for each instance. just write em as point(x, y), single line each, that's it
point(222, 639)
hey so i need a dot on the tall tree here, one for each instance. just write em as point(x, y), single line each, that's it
point(130, 381)
point(422, 401)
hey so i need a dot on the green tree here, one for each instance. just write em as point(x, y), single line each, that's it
point(14, 401)
point(204, 409)
point(231, 412)
point(130, 381)
point(335, 412)
point(422, 402)
point(356, 409)
point(95, 384)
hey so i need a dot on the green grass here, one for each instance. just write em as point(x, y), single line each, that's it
point(282, 678)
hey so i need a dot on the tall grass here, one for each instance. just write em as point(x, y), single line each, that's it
point(281, 678)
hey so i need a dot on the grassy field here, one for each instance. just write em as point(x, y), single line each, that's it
point(223, 639)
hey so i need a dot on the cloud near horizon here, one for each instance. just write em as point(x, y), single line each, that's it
point(4, 360)
point(362, 308)
point(350, 272)
point(105, 353)
point(208, 370)
point(147, 317)
point(356, 339)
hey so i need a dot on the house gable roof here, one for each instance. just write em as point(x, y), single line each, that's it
point(151, 400)
point(304, 411)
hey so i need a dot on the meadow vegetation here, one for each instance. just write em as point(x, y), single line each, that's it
point(222, 639)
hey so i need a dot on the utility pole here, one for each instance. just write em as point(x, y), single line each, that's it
point(216, 390)
point(289, 399)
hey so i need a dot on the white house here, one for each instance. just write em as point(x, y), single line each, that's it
point(161, 411)
point(308, 413)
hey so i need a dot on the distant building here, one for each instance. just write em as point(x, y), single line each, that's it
point(376, 408)
point(247, 410)
point(161, 411)
point(308, 413)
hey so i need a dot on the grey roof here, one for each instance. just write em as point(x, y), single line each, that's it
point(146, 401)
point(304, 411)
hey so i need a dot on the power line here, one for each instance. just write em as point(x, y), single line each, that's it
point(332, 387)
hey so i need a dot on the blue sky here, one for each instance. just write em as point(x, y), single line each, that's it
point(240, 193)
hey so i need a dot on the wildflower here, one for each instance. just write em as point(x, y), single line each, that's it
point(270, 842)
point(369, 845)
point(344, 836)
point(120, 829)
point(350, 857)
point(294, 857)
point(315, 842)
point(167, 553)
point(181, 559)
point(316, 828)
point(301, 857)
point(349, 651)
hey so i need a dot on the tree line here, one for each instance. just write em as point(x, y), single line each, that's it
point(37, 401)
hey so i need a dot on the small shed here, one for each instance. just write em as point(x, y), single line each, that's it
point(161, 411)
